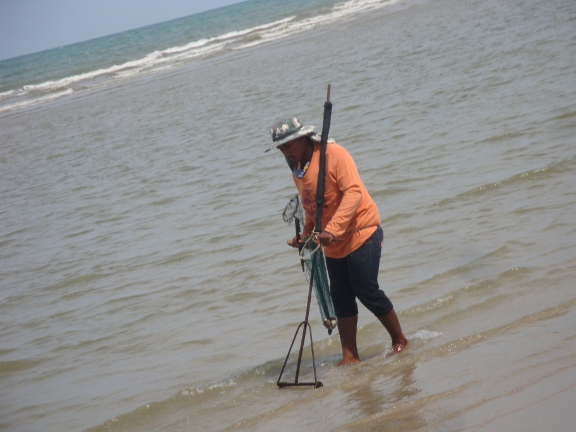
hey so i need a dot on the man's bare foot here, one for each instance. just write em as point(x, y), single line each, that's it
point(350, 361)
point(399, 347)
point(390, 321)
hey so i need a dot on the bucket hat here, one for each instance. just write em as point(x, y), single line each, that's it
point(287, 129)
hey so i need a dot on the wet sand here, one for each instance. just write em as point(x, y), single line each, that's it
point(547, 405)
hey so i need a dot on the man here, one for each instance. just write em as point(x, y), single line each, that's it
point(351, 235)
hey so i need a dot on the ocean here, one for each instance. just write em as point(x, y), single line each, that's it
point(145, 280)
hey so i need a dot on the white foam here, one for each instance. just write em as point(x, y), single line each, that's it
point(427, 335)
point(201, 390)
point(340, 11)
point(160, 60)
point(36, 101)
point(8, 93)
point(133, 67)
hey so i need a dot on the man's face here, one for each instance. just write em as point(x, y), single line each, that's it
point(293, 150)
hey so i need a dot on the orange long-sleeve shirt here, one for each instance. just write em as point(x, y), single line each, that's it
point(349, 212)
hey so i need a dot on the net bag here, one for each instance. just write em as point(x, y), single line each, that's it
point(313, 264)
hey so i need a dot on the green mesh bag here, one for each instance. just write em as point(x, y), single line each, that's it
point(313, 265)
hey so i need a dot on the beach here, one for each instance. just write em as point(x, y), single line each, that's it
point(145, 280)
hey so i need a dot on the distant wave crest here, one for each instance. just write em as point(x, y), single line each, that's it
point(33, 94)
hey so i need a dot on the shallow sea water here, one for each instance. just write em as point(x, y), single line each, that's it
point(145, 281)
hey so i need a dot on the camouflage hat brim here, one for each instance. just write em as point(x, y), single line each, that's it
point(315, 136)
point(306, 130)
point(289, 129)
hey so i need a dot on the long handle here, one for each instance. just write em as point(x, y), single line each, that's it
point(322, 169)
point(305, 326)
point(298, 238)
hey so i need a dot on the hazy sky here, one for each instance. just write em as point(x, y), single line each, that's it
point(28, 26)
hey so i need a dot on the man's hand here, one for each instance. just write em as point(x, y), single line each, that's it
point(325, 238)
point(295, 243)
